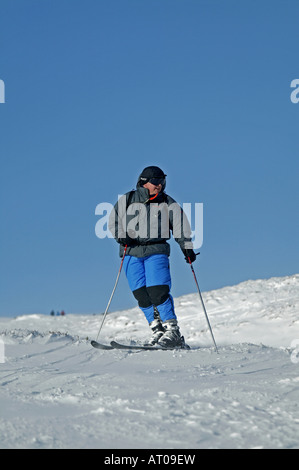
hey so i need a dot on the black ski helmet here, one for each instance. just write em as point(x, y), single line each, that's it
point(152, 174)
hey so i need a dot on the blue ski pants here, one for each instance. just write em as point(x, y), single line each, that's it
point(149, 280)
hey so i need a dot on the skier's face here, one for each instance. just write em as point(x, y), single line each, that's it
point(153, 188)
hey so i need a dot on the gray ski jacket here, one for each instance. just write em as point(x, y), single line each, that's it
point(145, 224)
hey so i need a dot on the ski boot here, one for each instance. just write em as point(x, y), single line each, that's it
point(172, 337)
point(157, 332)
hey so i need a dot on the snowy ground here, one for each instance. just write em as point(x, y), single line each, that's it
point(58, 392)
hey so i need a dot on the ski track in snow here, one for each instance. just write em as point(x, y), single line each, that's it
point(56, 391)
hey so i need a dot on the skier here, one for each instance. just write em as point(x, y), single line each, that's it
point(142, 221)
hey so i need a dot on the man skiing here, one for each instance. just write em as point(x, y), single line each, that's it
point(142, 221)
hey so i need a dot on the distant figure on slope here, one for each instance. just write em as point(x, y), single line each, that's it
point(142, 220)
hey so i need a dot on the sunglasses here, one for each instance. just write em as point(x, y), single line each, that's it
point(157, 181)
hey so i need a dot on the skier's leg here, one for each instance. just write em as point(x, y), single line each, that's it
point(158, 283)
point(134, 269)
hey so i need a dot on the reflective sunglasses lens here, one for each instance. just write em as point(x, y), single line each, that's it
point(157, 181)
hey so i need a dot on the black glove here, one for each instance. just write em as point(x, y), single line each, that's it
point(128, 239)
point(190, 256)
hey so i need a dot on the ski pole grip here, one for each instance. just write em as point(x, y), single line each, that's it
point(196, 254)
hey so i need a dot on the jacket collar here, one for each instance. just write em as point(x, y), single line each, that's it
point(144, 196)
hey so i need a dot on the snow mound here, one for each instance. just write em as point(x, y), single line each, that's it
point(58, 392)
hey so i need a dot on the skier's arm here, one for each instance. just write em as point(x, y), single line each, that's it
point(181, 229)
point(117, 222)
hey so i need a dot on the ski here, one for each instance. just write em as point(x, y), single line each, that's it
point(117, 345)
point(97, 345)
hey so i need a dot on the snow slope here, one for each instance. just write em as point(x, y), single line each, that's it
point(58, 392)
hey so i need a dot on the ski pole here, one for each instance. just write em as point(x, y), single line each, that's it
point(203, 306)
point(108, 305)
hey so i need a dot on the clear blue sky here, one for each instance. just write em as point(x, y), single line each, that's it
point(96, 90)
